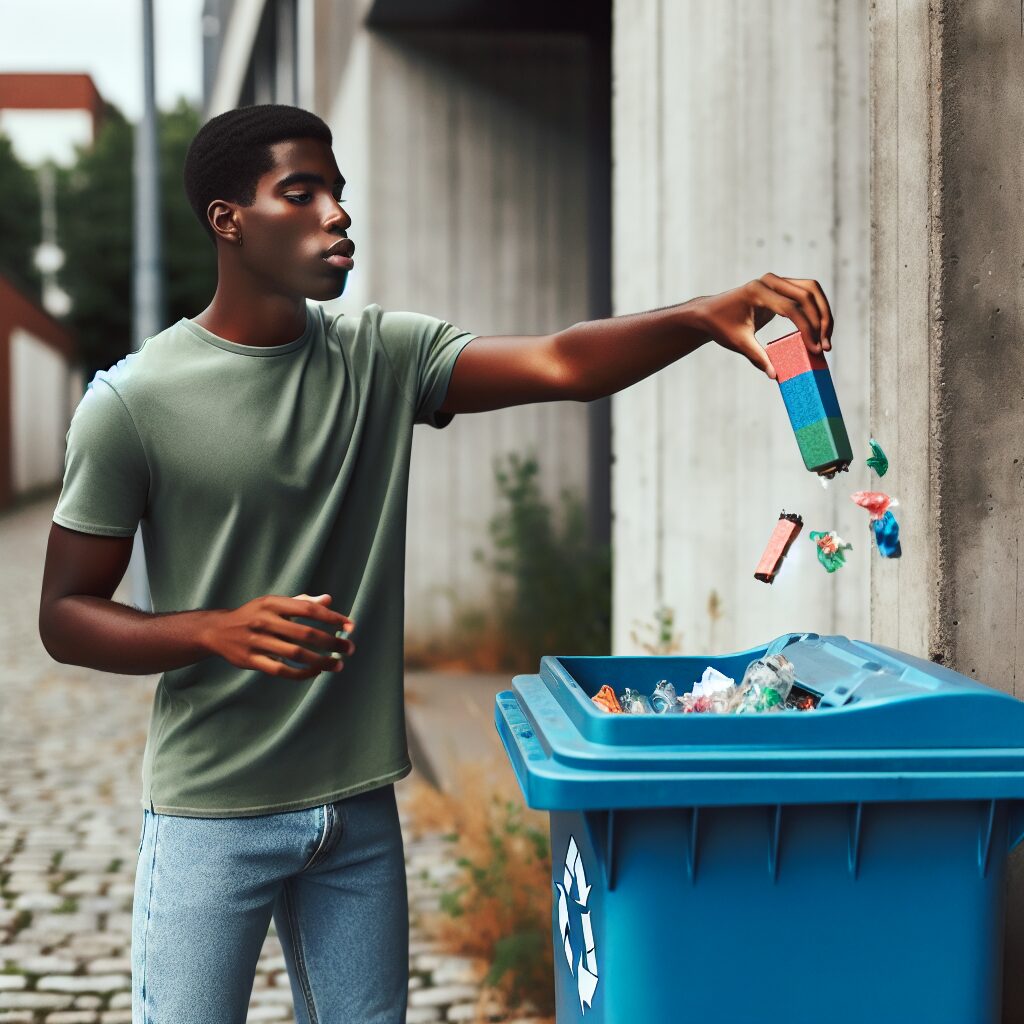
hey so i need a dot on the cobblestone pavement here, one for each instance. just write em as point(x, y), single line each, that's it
point(71, 744)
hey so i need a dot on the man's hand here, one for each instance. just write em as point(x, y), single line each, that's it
point(248, 636)
point(731, 318)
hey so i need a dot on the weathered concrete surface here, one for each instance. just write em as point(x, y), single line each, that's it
point(947, 363)
point(740, 135)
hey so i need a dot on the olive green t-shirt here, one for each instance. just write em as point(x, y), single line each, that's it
point(267, 470)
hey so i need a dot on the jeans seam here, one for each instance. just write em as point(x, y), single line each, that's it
point(300, 962)
point(145, 931)
point(320, 845)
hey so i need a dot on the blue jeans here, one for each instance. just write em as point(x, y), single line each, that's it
point(332, 877)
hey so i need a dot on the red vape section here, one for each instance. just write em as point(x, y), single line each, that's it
point(790, 357)
point(785, 532)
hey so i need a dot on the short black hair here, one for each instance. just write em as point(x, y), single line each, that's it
point(231, 152)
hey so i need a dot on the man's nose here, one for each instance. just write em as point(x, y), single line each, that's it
point(339, 216)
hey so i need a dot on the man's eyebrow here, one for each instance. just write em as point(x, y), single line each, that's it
point(297, 177)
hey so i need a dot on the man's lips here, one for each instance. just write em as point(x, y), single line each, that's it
point(340, 254)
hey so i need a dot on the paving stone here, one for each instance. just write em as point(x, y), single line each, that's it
point(13, 951)
point(110, 965)
point(422, 1014)
point(90, 1002)
point(37, 901)
point(48, 964)
point(442, 995)
point(459, 970)
point(268, 1013)
point(34, 1001)
point(9, 982)
point(116, 1017)
point(21, 881)
point(118, 1001)
point(83, 982)
point(83, 885)
point(73, 1017)
point(278, 996)
point(16, 1017)
point(470, 1012)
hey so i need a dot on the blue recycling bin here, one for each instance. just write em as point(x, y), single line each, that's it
point(844, 865)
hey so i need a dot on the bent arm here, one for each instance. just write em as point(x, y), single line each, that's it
point(80, 625)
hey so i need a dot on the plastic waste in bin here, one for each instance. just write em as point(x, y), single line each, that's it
point(845, 865)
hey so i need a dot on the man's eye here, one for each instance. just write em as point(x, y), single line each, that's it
point(297, 196)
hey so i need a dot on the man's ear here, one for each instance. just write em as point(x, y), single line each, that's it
point(224, 220)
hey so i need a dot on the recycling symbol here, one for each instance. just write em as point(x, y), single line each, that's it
point(586, 973)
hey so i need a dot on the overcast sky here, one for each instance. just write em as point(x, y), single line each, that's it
point(103, 38)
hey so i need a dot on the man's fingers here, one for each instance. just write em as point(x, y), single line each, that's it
point(276, 648)
point(818, 294)
point(273, 667)
point(310, 637)
point(308, 609)
point(790, 309)
point(812, 300)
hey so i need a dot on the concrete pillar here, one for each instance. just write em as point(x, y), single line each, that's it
point(947, 99)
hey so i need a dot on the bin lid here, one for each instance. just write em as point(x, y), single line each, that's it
point(889, 726)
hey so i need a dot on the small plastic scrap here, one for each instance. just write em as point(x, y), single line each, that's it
point(766, 684)
point(606, 700)
point(664, 700)
point(875, 502)
point(883, 523)
point(786, 531)
point(635, 703)
point(878, 461)
point(887, 535)
point(831, 549)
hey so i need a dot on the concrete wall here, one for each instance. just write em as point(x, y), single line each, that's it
point(40, 412)
point(741, 146)
point(948, 205)
point(466, 160)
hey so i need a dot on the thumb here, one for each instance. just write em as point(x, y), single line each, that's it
point(748, 345)
point(320, 597)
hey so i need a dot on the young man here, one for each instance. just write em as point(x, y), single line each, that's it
point(264, 447)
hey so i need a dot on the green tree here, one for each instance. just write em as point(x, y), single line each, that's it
point(94, 216)
point(20, 228)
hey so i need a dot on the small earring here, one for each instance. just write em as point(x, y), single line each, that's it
point(239, 237)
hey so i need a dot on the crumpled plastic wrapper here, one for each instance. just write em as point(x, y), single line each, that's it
point(878, 461)
point(635, 703)
point(664, 700)
point(887, 536)
point(883, 523)
point(766, 684)
point(875, 502)
point(831, 549)
point(606, 700)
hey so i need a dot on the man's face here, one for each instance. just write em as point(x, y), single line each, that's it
point(296, 216)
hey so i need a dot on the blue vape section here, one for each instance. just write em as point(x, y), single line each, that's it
point(810, 397)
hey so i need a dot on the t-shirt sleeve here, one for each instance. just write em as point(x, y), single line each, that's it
point(422, 351)
point(106, 475)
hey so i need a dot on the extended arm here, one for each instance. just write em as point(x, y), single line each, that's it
point(79, 624)
point(599, 357)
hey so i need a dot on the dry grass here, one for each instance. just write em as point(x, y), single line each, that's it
point(498, 908)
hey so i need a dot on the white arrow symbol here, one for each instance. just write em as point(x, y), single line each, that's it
point(581, 883)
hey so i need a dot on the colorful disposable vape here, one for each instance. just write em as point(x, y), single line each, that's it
point(785, 532)
point(810, 397)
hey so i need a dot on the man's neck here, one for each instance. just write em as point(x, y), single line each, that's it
point(262, 321)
